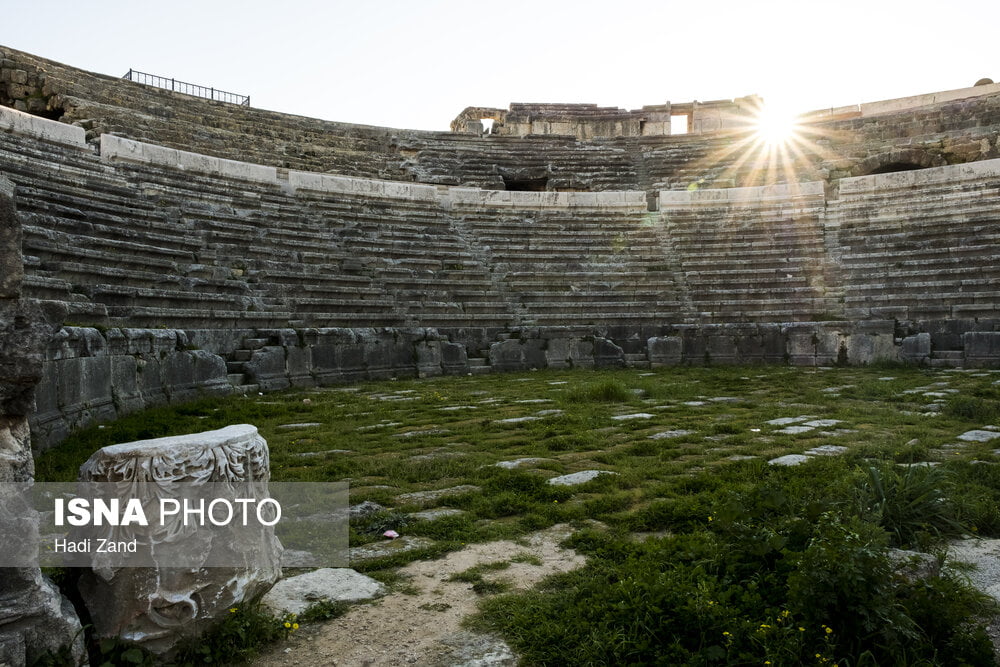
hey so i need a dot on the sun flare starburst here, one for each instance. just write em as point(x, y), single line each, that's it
point(776, 125)
point(769, 144)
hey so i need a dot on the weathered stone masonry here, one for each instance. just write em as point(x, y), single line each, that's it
point(34, 617)
point(178, 273)
point(263, 280)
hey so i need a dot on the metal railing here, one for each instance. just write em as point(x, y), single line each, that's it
point(186, 88)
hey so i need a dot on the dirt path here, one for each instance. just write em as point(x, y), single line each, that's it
point(424, 628)
point(984, 554)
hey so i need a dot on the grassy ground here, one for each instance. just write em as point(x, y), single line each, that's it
point(400, 437)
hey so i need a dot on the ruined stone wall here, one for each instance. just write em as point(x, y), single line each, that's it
point(35, 619)
point(92, 376)
point(589, 121)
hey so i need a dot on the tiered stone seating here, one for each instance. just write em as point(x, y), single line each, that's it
point(133, 243)
point(579, 264)
point(921, 245)
point(750, 254)
point(109, 255)
point(151, 246)
point(483, 161)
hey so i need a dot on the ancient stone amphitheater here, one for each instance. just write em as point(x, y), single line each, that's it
point(157, 246)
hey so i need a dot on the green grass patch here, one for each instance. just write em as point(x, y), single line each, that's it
point(754, 540)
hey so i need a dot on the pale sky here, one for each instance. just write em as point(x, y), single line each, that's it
point(418, 63)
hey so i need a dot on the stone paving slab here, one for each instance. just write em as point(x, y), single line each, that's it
point(436, 513)
point(415, 434)
point(438, 455)
point(826, 450)
point(389, 548)
point(520, 463)
point(581, 477)
point(677, 433)
point(789, 460)
point(425, 497)
point(375, 426)
point(822, 423)
point(366, 508)
point(785, 421)
point(518, 420)
point(302, 425)
point(325, 452)
point(636, 415)
point(295, 594)
point(795, 430)
point(979, 435)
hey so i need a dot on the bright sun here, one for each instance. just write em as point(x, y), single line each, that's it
point(776, 125)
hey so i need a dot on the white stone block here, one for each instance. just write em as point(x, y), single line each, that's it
point(116, 148)
point(25, 124)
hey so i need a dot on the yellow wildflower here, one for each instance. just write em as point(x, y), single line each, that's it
point(287, 624)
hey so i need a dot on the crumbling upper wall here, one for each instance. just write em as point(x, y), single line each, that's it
point(589, 121)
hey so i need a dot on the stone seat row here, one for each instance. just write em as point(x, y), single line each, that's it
point(887, 256)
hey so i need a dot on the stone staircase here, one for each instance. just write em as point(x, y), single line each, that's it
point(479, 366)
point(236, 364)
point(636, 360)
point(947, 358)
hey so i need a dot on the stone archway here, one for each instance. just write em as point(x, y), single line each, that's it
point(907, 159)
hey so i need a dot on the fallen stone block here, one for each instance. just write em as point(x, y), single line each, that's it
point(157, 607)
point(296, 594)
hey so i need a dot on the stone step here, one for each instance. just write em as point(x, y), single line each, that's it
point(637, 360)
point(241, 355)
point(477, 362)
point(254, 343)
point(236, 367)
point(236, 379)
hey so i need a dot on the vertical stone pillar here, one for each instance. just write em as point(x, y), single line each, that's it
point(34, 617)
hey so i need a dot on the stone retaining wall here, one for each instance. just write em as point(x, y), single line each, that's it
point(91, 376)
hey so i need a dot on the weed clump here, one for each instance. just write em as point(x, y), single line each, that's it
point(606, 391)
point(911, 505)
point(972, 408)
